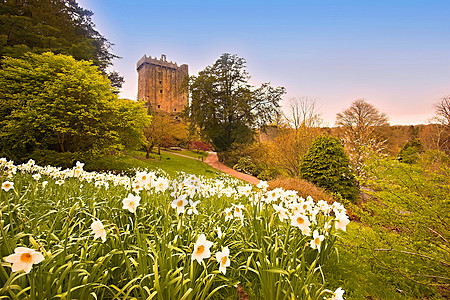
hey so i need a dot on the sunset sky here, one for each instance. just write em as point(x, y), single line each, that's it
point(395, 54)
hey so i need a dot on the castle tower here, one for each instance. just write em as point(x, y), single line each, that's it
point(159, 84)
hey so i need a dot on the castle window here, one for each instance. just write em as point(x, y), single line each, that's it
point(175, 109)
point(159, 106)
point(160, 91)
point(160, 82)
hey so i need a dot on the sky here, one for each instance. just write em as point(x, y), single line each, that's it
point(394, 53)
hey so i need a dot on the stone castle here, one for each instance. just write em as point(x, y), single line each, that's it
point(159, 84)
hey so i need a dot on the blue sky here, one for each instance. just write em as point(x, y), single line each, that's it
point(395, 54)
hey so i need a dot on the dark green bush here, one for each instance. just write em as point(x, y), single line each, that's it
point(57, 159)
point(327, 166)
point(247, 166)
point(410, 152)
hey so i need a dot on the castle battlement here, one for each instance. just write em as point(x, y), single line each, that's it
point(162, 62)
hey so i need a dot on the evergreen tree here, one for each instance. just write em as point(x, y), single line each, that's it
point(327, 166)
point(225, 107)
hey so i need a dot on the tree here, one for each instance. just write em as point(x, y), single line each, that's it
point(225, 107)
point(292, 142)
point(57, 103)
point(59, 26)
point(442, 117)
point(164, 131)
point(327, 166)
point(359, 124)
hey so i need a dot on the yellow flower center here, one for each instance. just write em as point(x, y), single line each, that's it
point(300, 220)
point(223, 260)
point(305, 206)
point(317, 241)
point(26, 258)
point(200, 249)
point(7, 185)
point(180, 203)
point(144, 177)
point(238, 210)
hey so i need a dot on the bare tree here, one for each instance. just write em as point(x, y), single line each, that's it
point(442, 118)
point(295, 136)
point(359, 124)
point(302, 112)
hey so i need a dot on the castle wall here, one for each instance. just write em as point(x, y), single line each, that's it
point(159, 84)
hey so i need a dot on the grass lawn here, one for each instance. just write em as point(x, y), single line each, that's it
point(194, 154)
point(170, 163)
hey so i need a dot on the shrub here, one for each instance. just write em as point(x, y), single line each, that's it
point(410, 219)
point(410, 152)
point(247, 166)
point(303, 187)
point(327, 166)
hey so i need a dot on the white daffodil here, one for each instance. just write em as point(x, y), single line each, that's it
point(98, 230)
point(281, 212)
point(7, 185)
point(137, 187)
point(219, 232)
point(23, 259)
point(36, 176)
point(338, 294)
point(179, 204)
point(238, 211)
point(131, 202)
point(302, 222)
point(201, 249)
point(224, 259)
point(317, 240)
point(262, 185)
point(60, 182)
point(228, 213)
point(193, 208)
point(341, 221)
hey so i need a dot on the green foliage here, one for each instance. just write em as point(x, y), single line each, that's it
point(410, 217)
point(327, 166)
point(410, 151)
point(45, 157)
point(59, 26)
point(226, 107)
point(246, 165)
point(147, 253)
point(56, 103)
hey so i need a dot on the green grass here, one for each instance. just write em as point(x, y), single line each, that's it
point(194, 154)
point(356, 276)
point(170, 163)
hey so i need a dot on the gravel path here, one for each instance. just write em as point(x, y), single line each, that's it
point(213, 161)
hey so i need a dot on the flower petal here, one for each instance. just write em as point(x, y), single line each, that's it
point(36, 257)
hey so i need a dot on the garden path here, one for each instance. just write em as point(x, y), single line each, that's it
point(213, 161)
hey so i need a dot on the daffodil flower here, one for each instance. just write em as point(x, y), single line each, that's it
point(201, 249)
point(23, 259)
point(224, 259)
point(7, 185)
point(131, 202)
point(98, 230)
point(317, 240)
point(180, 203)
